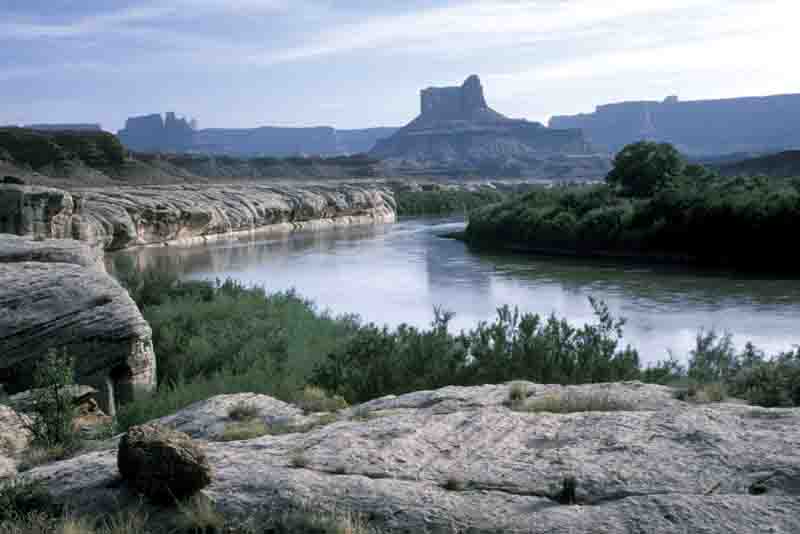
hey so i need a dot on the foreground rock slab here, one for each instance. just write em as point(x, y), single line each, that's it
point(460, 459)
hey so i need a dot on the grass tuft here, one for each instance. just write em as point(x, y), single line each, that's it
point(315, 399)
point(243, 411)
point(245, 430)
point(199, 516)
point(572, 402)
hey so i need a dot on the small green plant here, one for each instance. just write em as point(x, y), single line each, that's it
point(568, 493)
point(199, 516)
point(703, 393)
point(243, 411)
point(21, 498)
point(315, 399)
point(517, 394)
point(53, 410)
point(454, 484)
point(244, 430)
point(38, 455)
point(572, 402)
point(299, 461)
point(315, 522)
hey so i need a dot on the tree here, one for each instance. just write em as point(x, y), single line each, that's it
point(642, 168)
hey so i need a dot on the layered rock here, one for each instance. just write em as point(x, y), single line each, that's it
point(460, 459)
point(115, 218)
point(701, 127)
point(55, 295)
point(457, 132)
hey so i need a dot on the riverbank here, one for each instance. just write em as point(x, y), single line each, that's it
point(732, 224)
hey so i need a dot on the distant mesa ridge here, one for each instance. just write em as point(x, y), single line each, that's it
point(700, 127)
point(152, 133)
point(457, 132)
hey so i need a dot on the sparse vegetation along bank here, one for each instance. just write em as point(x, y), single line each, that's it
point(214, 338)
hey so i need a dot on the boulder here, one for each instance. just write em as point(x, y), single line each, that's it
point(462, 458)
point(55, 302)
point(162, 463)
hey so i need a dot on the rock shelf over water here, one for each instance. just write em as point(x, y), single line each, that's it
point(120, 217)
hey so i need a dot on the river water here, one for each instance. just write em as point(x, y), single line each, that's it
point(395, 273)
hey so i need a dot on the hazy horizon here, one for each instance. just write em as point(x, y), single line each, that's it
point(248, 63)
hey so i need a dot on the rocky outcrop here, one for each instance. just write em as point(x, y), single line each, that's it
point(152, 133)
point(54, 295)
point(162, 463)
point(458, 133)
point(116, 218)
point(461, 459)
point(701, 127)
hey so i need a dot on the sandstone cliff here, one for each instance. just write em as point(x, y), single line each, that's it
point(56, 295)
point(458, 133)
point(702, 127)
point(120, 217)
point(461, 460)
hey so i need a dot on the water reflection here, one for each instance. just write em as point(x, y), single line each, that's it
point(398, 273)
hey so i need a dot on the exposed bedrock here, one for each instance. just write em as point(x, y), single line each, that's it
point(116, 218)
point(55, 295)
point(460, 460)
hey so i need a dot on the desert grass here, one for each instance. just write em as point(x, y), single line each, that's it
point(574, 402)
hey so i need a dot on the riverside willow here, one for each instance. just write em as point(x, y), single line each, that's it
point(220, 337)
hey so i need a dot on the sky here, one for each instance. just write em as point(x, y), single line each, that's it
point(361, 63)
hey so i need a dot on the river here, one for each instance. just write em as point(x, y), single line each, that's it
point(394, 273)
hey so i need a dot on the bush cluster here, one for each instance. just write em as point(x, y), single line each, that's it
point(693, 216)
point(444, 201)
point(40, 149)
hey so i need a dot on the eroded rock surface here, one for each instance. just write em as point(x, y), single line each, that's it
point(14, 438)
point(462, 459)
point(64, 301)
point(119, 217)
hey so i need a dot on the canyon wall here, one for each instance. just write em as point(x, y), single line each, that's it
point(152, 133)
point(118, 217)
point(702, 127)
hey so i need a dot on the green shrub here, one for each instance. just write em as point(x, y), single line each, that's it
point(316, 399)
point(243, 411)
point(52, 407)
point(22, 498)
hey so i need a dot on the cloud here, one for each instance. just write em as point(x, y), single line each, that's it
point(469, 26)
